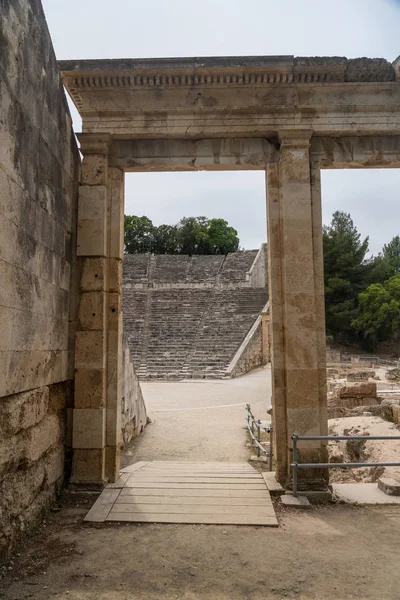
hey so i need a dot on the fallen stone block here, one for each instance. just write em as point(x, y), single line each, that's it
point(274, 487)
point(292, 502)
point(389, 486)
point(359, 390)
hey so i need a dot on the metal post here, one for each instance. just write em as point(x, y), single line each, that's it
point(294, 458)
point(271, 445)
point(258, 436)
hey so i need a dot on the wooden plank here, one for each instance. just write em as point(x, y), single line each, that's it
point(193, 486)
point(148, 475)
point(120, 481)
point(193, 509)
point(134, 479)
point(134, 467)
point(103, 505)
point(213, 500)
point(199, 492)
point(194, 519)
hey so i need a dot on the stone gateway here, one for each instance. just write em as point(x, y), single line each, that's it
point(289, 116)
point(67, 390)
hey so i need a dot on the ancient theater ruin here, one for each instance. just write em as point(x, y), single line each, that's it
point(69, 391)
point(196, 316)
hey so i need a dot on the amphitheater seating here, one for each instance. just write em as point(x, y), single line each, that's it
point(177, 331)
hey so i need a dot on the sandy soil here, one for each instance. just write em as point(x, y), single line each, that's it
point(335, 552)
point(200, 420)
point(372, 451)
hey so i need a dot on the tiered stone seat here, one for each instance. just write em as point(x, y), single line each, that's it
point(169, 268)
point(224, 327)
point(136, 269)
point(204, 269)
point(236, 265)
point(134, 310)
point(174, 319)
point(183, 323)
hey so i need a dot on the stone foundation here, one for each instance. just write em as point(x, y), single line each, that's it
point(33, 427)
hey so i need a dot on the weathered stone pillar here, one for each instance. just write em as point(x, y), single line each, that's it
point(266, 337)
point(296, 306)
point(98, 344)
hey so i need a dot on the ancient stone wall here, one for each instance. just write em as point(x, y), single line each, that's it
point(39, 165)
point(250, 354)
point(258, 274)
point(134, 416)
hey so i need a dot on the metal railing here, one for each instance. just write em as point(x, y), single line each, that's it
point(254, 424)
point(295, 465)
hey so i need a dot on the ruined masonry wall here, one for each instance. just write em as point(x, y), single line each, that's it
point(39, 165)
point(134, 416)
point(250, 354)
point(258, 274)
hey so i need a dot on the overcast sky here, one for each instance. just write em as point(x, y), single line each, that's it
point(165, 28)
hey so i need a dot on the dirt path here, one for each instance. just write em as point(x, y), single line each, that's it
point(201, 420)
point(332, 553)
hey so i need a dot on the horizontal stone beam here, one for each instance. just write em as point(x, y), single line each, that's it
point(194, 155)
point(357, 152)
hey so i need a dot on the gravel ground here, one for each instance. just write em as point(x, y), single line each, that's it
point(335, 552)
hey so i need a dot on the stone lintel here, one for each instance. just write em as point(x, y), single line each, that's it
point(295, 138)
point(95, 143)
point(193, 155)
point(372, 151)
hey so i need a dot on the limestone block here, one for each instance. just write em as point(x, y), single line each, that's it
point(91, 312)
point(389, 486)
point(89, 350)
point(115, 311)
point(88, 465)
point(53, 463)
point(41, 437)
point(90, 388)
point(23, 410)
point(94, 169)
point(359, 375)
point(116, 213)
point(19, 488)
point(93, 274)
point(396, 413)
point(92, 220)
point(361, 390)
point(115, 274)
point(89, 428)
point(113, 427)
point(28, 370)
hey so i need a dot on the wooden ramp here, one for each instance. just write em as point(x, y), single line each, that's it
point(179, 492)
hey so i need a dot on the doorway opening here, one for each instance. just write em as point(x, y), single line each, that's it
point(193, 318)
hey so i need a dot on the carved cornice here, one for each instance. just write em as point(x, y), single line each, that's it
point(84, 76)
point(79, 83)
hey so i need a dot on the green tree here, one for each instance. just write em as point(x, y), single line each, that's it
point(391, 252)
point(166, 240)
point(138, 234)
point(379, 313)
point(223, 238)
point(346, 271)
point(192, 236)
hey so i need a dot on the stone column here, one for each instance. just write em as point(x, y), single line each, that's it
point(98, 342)
point(296, 307)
